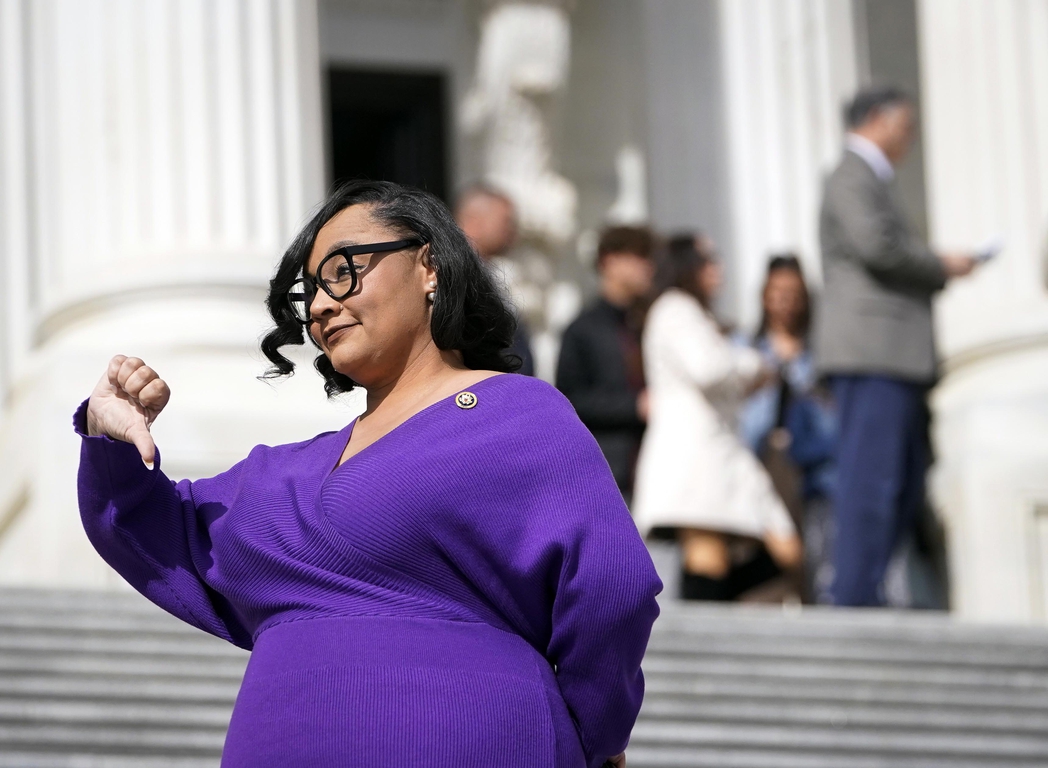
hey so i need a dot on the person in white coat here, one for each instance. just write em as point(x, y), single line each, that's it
point(693, 474)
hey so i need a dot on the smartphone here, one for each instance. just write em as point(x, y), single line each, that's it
point(989, 249)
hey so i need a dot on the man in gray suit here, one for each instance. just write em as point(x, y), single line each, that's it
point(874, 339)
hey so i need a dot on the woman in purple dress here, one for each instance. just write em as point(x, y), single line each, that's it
point(450, 580)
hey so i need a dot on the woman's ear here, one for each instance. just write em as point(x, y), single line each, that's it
point(427, 263)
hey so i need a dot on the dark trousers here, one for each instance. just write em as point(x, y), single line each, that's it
point(882, 457)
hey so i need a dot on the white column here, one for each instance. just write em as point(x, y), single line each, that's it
point(155, 160)
point(15, 332)
point(984, 66)
point(789, 66)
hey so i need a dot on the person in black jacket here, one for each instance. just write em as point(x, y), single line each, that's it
point(600, 369)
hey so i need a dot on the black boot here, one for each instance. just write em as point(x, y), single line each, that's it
point(753, 572)
point(696, 587)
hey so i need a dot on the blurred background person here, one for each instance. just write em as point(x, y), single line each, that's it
point(489, 219)
point(789, 423)
point(875, 339)
point(694, 475)
point(600, 368)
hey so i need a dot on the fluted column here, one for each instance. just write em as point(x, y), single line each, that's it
point(156, 157)
point(984, 66)
point(169, 128)
point(788, 68)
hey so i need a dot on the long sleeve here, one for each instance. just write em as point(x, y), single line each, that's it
point(541, 528)
point(690, 342)
point(602, 616)
point(602, 582)
point(597, 407)
point(875, 233)
point(152, 531)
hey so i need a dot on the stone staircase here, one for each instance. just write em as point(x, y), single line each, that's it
point(106, 680)
point(102, 680)
point(760, 687)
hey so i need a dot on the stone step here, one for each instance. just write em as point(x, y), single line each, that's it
point(819, 621)
point(832, 691)
point(118, 713)
point(973, 719)
point(860, 741)
point(122, 688)
point(748, 757)
point(847, 672)
point(12, 663)
point(45, 759)
point(116, 644)
point(157, 623)
point(105, 739)
point(124, 599)
point(924, 653)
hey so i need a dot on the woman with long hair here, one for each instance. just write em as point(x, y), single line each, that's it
point(791, 423)
point(694, 475)
point(452, 579)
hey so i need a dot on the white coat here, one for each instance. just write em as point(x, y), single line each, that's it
point(693, 471)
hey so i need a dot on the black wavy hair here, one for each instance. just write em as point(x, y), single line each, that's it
point(677, 265)
point(470, 313)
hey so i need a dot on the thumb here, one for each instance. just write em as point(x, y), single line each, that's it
point(143, 441)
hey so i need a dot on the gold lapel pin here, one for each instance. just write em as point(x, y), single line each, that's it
point(465, 400)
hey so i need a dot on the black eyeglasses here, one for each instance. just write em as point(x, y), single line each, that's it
point(337, 274)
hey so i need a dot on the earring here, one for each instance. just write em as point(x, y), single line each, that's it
point(432, 295)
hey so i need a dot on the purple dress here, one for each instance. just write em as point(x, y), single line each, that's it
point(468, 591)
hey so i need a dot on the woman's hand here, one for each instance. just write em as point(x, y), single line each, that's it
point(618, 761)
point(765, 376)
point(126, 400)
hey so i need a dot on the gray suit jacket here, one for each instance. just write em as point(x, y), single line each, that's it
point(875, 314)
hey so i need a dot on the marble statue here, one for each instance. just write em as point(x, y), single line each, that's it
point(522, 62)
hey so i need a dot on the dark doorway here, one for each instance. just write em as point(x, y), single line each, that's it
point(388, 125)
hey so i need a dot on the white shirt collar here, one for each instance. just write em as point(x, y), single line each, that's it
point(872, 154)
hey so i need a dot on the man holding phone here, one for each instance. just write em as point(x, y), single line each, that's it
point(874, 340)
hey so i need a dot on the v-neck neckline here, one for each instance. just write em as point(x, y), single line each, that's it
point(346, 434)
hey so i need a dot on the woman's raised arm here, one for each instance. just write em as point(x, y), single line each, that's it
point(149, 529)
point(694, 346)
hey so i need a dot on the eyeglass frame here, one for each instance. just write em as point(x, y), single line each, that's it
point(347, 252)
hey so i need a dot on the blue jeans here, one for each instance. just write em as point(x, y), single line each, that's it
point(882, 458)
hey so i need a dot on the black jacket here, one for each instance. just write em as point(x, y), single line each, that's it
point(600, 372)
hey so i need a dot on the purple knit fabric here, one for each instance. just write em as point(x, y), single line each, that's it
point(469, 591)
